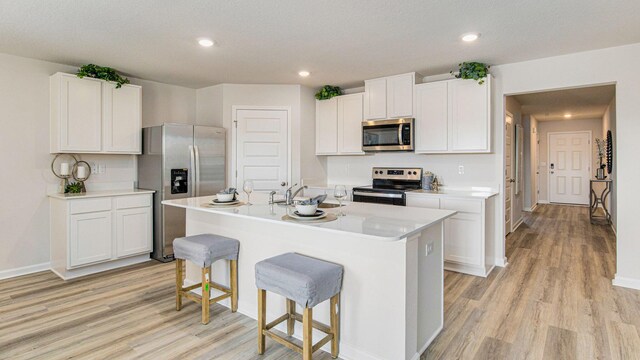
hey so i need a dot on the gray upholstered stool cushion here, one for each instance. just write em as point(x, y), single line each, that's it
point(205, 249)
point(303, 279)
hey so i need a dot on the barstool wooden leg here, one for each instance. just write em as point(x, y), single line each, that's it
point(234, 284)
point(205, 295)
point(179, 263)
point(307, 335)
point(262, 319)
point(335, 324)
point(291, 310)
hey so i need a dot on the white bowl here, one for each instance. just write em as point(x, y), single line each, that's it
point(306, 209)
point(225, 197)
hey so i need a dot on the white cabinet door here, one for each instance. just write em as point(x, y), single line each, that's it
point(432, 117)
point(80, 117)
point(350, 116)
point(428, 202)
point(90, 238)
point(400, 95)
point(463, 239)
point(375, 99)
point(469, 111)
point(327, 126)
point(133, 231)
point(122, 118)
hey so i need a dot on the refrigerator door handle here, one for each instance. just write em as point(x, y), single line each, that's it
point(192, 155)
point(197, 170)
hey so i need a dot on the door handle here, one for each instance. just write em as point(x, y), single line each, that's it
point(512, 180)
point(192, 155)
point(284, 183)
point(197, 170)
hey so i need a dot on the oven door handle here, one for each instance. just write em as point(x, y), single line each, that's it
point(378, 195)
point(400, 142)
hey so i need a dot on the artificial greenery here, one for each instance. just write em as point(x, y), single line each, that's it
point(73, 188)
point(327, 92)
point(472, 70)
point(102, 72)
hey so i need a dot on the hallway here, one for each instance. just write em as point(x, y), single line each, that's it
point(554, 300)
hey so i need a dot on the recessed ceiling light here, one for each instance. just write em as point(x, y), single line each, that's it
point(470, 37)
point(567, 116)
point(304, 73)
point(205, 42)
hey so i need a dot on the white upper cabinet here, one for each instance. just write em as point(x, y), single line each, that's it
point(122, 118)
point(92, 116)
point(470, 117)
point(432, 117)
point(375, 99)
point(339, 125)
point(453, 116)
point(77, 105)
point(350, 116)
point(327, 126)
point(389, 97)
point(400, 95)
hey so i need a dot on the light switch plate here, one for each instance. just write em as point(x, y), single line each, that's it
point(460, 169)
point(429, 248)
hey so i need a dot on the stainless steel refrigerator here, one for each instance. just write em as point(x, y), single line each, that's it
point(179, 161)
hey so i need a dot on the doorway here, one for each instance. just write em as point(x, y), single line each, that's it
point(569, 167)
point(261, 145)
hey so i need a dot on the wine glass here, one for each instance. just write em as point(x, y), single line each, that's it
point(340, 193)
point(248, 188)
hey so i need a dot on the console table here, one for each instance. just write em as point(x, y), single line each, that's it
point(601, 199)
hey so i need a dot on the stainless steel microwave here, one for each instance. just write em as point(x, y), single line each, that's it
point(388, 135)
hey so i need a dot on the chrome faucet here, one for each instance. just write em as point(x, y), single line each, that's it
point(289, 196)
point(271, 194)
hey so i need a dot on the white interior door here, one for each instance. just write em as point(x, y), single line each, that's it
point(508, 168)
point(262, 153)
point(569, 167)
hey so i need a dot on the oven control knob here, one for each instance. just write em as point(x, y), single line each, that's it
point(376, 171)
point(415, 173)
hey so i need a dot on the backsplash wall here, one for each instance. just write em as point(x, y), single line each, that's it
point(356, 170)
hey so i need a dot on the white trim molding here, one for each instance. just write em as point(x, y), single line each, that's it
point(25, 270)
point(626, 282)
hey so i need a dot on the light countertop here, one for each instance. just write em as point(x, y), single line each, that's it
point(473, 194)
point(380, 222)
point(104, 193)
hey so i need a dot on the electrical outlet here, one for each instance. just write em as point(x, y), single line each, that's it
point(94, 168)
point(460, 169)
point(102, 168)
point(429, 248)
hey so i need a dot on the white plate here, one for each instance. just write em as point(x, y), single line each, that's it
point(222, 203)
point(298, 217)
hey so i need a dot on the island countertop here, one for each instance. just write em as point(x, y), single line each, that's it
point(375, 221)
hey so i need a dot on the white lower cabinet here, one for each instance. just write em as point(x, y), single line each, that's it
point(134, 231)
point(468, 242)
point(90, 235)
point(90, 238)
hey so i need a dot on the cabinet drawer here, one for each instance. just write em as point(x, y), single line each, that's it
point(468, 206)
point(423, 201)
point(135, 201)
point(89, 205)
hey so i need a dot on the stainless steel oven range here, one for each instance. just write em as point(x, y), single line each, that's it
point(389, 186)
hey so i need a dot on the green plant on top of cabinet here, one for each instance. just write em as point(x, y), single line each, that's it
point(453, 116)
point(92, 116)
point(389, 97)
point(339, 125)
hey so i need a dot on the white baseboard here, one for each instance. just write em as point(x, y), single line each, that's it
point(543, 201)
point(502, 262)
point(517, 225)
point(532, 208)
point(426, 345)
point(25, 270)
point(626, 282)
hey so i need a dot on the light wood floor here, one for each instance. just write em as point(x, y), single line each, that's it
point(553, 301)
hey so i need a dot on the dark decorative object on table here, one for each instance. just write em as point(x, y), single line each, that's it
point(327, 92)
point(102, 72)
point(609, 152)
point(472, 70)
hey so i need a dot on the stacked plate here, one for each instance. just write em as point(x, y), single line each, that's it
point(217, 202)
point(318, 215)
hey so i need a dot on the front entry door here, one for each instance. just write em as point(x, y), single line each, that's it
point(262, 153)
point(569, 167)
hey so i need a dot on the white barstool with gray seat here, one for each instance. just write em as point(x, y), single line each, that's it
point(203, 250)
point(308, 282)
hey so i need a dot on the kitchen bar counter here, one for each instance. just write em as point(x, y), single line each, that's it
point(392, 293)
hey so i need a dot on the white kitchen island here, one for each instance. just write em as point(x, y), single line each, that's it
point(392, 294)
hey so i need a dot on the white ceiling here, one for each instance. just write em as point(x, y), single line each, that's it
point(340, 42)
point(581, 103)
